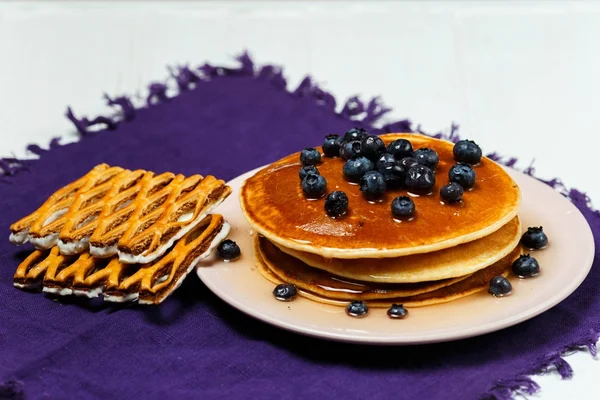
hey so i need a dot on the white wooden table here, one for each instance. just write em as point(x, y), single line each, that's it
point(522, 79)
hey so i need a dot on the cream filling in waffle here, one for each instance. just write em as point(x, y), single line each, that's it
point(59, 291)
point(95, 292)
point(20, 285)
point(19, 237)
point(121, 299)
point(44, 242)
point(76, 247)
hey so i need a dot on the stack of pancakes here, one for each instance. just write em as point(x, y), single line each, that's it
point(447, 251)
point(126, 235)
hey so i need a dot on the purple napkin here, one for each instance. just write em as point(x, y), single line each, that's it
point(224, 122)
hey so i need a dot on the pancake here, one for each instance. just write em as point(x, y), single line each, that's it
point(474, 283)
point(273, 203)
point(292, 270)
point(461, 260)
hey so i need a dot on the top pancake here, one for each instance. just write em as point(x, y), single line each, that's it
point(274, 205)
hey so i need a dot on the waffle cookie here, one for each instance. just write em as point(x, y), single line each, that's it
point(85, 275)
point(135, 214)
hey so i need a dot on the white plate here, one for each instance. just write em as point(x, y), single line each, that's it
point(564, 265)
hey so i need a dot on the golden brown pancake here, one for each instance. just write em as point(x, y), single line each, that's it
point(310, 289)
point(274, 205)
point(461, 260)
point(292, 270)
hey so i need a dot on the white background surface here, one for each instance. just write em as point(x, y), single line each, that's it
point(520, 78)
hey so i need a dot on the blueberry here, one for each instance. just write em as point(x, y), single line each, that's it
point(427, 157)
point(397, 311)
point(355, 169)
point(403, 207)
point(314, 186)
point(400, 148)
point(310, 156)
point(534, 238)
point(463, 174)
point(393, 175)
point(525, 266)
point(285, 292)
point(392, 172)
point(350, 150)
point(500, 286)
point(355, 134)
point(336, 203)
point(452, 192)
point(467, 151)
point(372, 147)
point(308, 169)
point(357, 309)
point(385, 160)
point(420, 179)
point(331, 145)
point(228, 250)
point(372, 185)
point(408, 162)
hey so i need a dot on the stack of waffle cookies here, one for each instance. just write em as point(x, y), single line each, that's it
point(121, 234)
point(446, 252)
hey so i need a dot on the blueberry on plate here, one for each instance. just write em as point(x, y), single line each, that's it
point(285, 292)
point(355, 134)
point(354, 169)
point(228, 250)
point(467, 151)
point(310, 156)
point(357, 309)
point(372, 147)
point(403, 207)
point(534, 238)
point(336, 203)
point(420, 179)
point(408, 162)
point(350, 150)
point(500, 286)
point(400, 149)
point(463, 174)
point(314, 186)
point(397, 311)
point(426, 157)
point(372, 185)
point(525, 266)
point(331, 145)
point(452, 192)
point(308, 169)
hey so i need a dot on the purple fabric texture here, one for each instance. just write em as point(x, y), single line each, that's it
point(225, 121)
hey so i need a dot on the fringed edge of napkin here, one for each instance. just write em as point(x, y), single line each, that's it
point(362, 113)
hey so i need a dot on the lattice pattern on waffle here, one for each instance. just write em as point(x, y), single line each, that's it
point(46, 221)
point(135, 213)
point(118, 282)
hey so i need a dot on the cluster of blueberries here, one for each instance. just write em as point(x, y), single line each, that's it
point(376, 168)
point(525, 266)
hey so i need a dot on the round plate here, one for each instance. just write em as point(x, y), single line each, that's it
point(564, 265)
